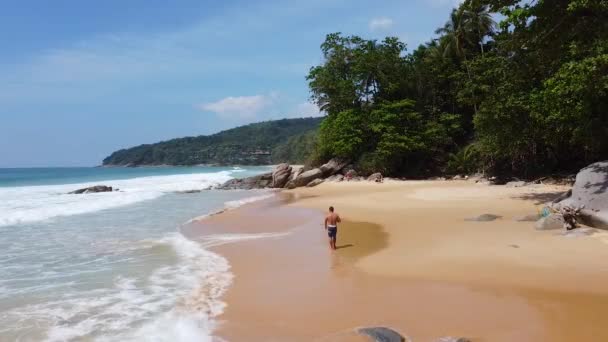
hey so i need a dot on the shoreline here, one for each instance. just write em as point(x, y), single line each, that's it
point(407, 245)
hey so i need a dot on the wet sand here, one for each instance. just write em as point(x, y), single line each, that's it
point(409, 260)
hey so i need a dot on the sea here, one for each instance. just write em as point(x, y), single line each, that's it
point(112, 266)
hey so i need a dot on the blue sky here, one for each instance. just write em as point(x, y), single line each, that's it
point(80, 79)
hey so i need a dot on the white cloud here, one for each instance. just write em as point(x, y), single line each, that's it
point(380, 24)
point(305, 110)
point(239, 107)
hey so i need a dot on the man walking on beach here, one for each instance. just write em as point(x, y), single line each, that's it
point(331, 225)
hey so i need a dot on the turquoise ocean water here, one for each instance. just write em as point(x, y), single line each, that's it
point(111, 266)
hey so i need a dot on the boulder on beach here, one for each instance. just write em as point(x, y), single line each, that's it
point(315, 182)
point(256, 182)
point(306, 177)
point(589, 190)
point(375, 177)
point(332, 167)
point(483, 218)
point(381, 334)
point(92, 189)
point(280, 175)
point(552, 221)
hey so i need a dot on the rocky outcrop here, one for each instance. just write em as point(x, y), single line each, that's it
point(382, 334)
point(332, 167)
point(306, 177)
point(552, 221)
point(280, 175)
point(315, 182)
point(93, 189)
point(256, 182)
point(590, 193)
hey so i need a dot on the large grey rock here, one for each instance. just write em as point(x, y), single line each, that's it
point(552, 221)
point(375, 177)
point(315, 182)
point(483, 218)
point(296, 170)
point(307, 177)
point(92, 189)
point(589, 190)
point(280, 175)
point(381, 334)
point(256, 182)
point(332, 167)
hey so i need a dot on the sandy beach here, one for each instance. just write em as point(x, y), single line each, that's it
point(409, 259)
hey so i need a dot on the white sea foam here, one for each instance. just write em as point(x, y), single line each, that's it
point(222, 239)
point(37, 203)
point(247, 200)
point(235, 204)
point(176, 302)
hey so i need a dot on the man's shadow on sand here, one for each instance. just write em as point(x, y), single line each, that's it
point(345, 246)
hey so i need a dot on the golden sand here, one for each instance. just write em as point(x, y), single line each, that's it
point(410, 261)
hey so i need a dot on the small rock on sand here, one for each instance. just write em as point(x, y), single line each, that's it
point(553, 221)
point(453, 339)
point(483, 218)
point(527, 218)
point(382, 334)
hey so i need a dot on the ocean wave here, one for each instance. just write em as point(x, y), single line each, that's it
point(175, 302)
point(37, 203)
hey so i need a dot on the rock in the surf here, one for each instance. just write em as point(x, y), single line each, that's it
point(256, 182)
point(92, 189)
point(382, 334)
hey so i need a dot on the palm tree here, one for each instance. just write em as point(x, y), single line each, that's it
point(479, 20)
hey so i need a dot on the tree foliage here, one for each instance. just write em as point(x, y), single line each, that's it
point(525, 96)
point(255, 144)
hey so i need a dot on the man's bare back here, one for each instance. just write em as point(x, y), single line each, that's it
point(331, 225)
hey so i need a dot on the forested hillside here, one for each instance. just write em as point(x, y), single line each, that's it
point(253, 144)
point(527, 95)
